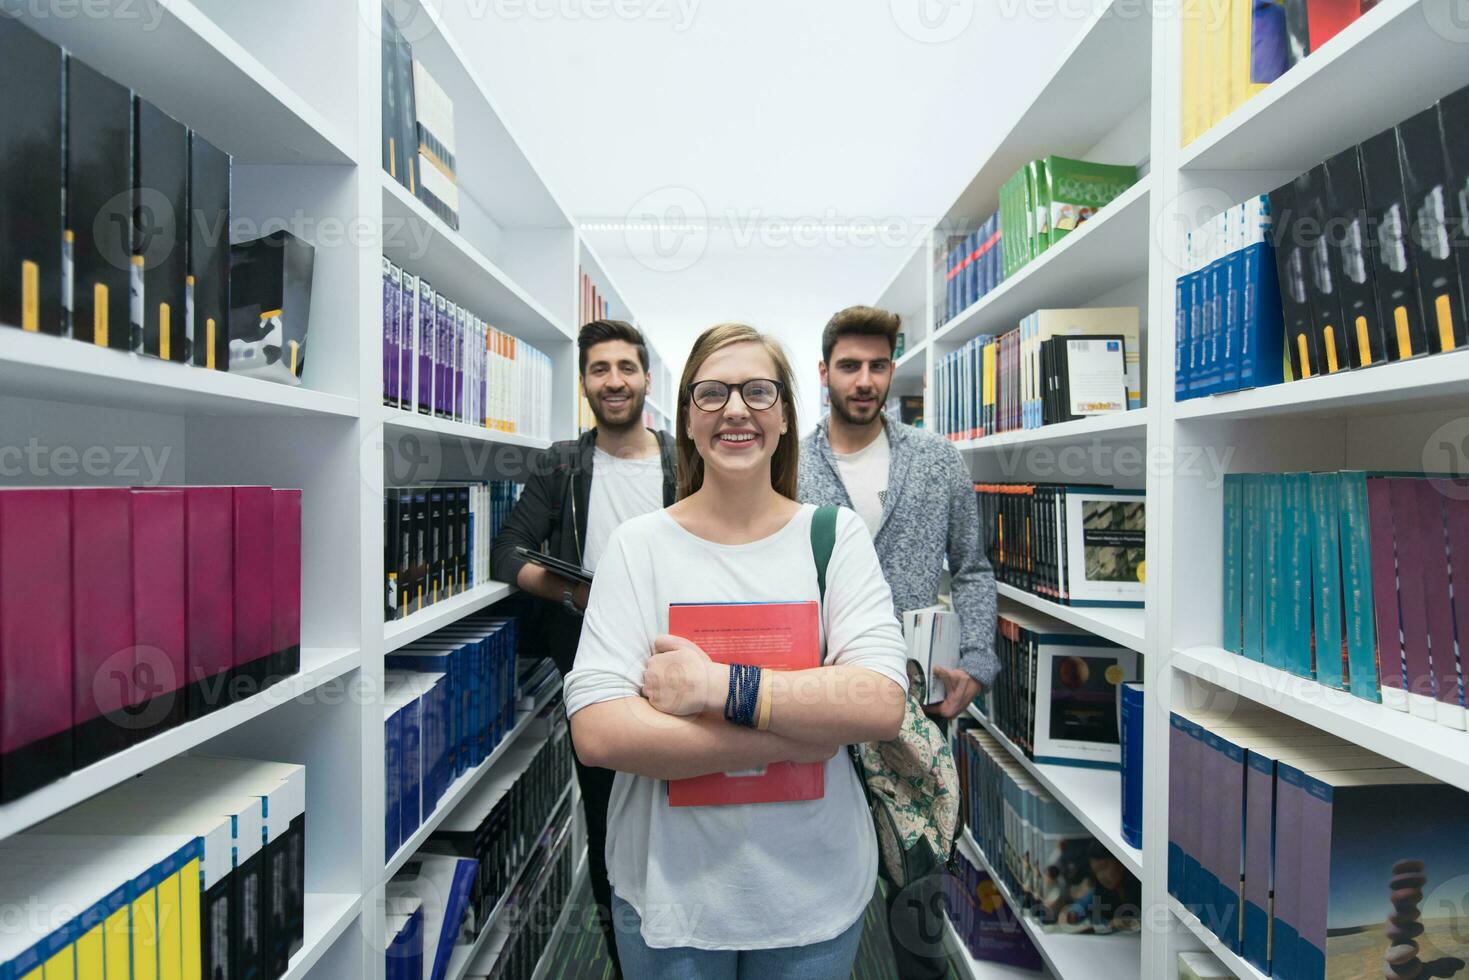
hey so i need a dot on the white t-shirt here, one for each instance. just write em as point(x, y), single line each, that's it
point(748, 876)
point(621, 489)
point(865, 474)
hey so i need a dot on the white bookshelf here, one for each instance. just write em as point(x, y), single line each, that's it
point(662, 401)
point(294, 93)
point(1114, 96)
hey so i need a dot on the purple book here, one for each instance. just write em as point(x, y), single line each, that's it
point(254, 571)
point(1438, 604)
point(1259, 832)
point(444, 334)
point(1456, 519)
point(35, 640)
point(1383, 560)
point(209, 620)
point(158, 611)
point(427, 334)
point(286, 586)
point(1411, 595)
point(392, 287)
point(407, 340)
point(1289, 799)
point(461, 324)
point(102, 620)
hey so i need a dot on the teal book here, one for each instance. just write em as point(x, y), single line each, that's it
point(1273, 576)
point(1252, 495)
point(1232, 591)
point(1326, 581)
point(1359, 628)
point(1296, 568)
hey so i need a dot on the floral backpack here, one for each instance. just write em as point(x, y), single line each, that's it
point(910, 782)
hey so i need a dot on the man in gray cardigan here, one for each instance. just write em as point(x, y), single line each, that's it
point(917, 498)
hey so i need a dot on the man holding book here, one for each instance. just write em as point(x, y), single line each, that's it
point(576, 494)
point(916, 497)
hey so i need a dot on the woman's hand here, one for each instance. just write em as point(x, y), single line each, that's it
point(680, 679)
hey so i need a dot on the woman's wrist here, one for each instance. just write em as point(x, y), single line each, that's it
point(716, 688)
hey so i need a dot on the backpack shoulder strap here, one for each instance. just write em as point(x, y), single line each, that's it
point(823, 543)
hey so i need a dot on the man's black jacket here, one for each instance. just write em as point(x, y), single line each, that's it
point(552, 512)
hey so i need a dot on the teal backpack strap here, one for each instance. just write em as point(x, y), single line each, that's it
point(823, 543)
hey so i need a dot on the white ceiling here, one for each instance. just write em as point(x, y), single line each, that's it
point(865, 118)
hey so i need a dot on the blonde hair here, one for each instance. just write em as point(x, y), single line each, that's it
point(787, 453)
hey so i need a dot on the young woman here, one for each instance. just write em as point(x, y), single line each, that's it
point(743, 890)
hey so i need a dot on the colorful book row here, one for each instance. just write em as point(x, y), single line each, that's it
point(437, 540)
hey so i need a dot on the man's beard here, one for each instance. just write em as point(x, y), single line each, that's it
point(635, 403)
point(839, 408)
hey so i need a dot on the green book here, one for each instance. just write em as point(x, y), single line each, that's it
point(1078, 189)
point(1041, 204)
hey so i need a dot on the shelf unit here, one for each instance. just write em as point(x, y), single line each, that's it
point(972, 969)
point(1114, 96)
point(295, 96)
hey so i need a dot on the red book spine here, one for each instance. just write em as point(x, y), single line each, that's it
point(254, 568)
point(102, 594)
point(1406, 520)
point(1438, 604)
point(286, 603)
point(158, 611)
point(1383, 555)
point(209, 555)
point(1326, 18)
point(35, 640)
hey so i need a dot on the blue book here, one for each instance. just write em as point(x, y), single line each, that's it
point(1252, 640)
point(1178, 740)
point(1296, 568)
point(1234, 273)
point(1206, 887)
point(441, 657)
point(392, 778)
point(1214, 329)
point(410, 814)
point(1262, 333)
point(1181, 294)
point(1195, 332)
point(1326, 580)
point(1273, 575)
point(1232, 592)
point(971, 268)
point(1130, 708)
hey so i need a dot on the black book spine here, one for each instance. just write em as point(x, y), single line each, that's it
point(1292, 263)
point(1453, 123)
point(1397, 288)
point(207, 323)
point(435, 588)
point(421, 531)
point(160, 231)
point(1350, 240)
point(1421, 157)
point(391, 502)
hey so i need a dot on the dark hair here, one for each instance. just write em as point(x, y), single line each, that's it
point(860, 321)
point(601, 331)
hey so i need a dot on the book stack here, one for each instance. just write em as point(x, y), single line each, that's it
point(545, 890)
point(197, 868)
point(1233, 49)
point(1056, 698)
point(114, 217)
point(125, 613)
point(418, 135)
point(1310, 856)
point(1344, 578)
point(449, 700)
point(442, 360)
point(499, 823)
point(1033, 375)
point(1074, 545)
point(1228, 332)
point(1048, 199)
point(973, 266)
point(982, 918)
point(1057, 872)
point(437, 540)
point(1365, 247)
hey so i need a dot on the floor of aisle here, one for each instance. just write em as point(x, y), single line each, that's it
point(580, 955)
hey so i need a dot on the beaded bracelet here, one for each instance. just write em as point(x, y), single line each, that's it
point(744, 695)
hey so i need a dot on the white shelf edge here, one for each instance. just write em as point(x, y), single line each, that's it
point(1122, 625)
point(1038, 266)
point(916, 354)
point(974, 969)
point(318, 666)
point(1131, 423)
point(1431, 748)
point(404, 421)
point(401, 632)
point(1241, 967)
point(462, 786)
point(577, 877)
point(1057, 948)
point(1055, 778)
point(328, 915)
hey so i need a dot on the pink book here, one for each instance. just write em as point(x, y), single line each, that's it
point(158, 611)
point(35, 640)
point(102, 618)
point(1411, 595)
point(1456, 518)
point(209, 592)
point(253, 573)
point(1438, 604)
point(286, 602)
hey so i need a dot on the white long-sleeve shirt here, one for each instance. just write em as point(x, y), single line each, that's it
point(750, 876)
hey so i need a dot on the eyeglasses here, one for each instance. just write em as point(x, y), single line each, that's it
point(758, 394)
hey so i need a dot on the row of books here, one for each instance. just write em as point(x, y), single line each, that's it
point(437, 540)
point(538, 902)
point(449, 700)
point(1056, 697)
point(592, 304)
point(1073, 545)
point(1048, 199)
point(1310, 856)
point(114, 226)
point(983, 919)
point(1228, 331)
point(1347, 579)
point(973, 267)
point(1369, 247)
point(498, 824)
point(1233, 49)
point(418, 138)
point(999, 383)
point(1055, 870)
point(126, 612)
point(440, 359)
point(197, 868)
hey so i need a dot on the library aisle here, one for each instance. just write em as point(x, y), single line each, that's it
point(292, 355)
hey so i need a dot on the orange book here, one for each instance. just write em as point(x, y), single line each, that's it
point(778, 635)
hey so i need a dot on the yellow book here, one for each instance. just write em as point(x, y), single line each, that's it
point(170, 930)
point(1241, 48)
point(62, 965)
point(1216, 62)
point(91, 961)
point(1192, 33)
point(145, 935)
point(191, 887)
point(988, 396)
point(117, 932)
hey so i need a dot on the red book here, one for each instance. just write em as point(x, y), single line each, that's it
point(254, 568)
point(35, 640)
point(158, 611)
point(286, 602)
point(778, 635)
point(1325, 19)
point(102, 621)
point(209, 621)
